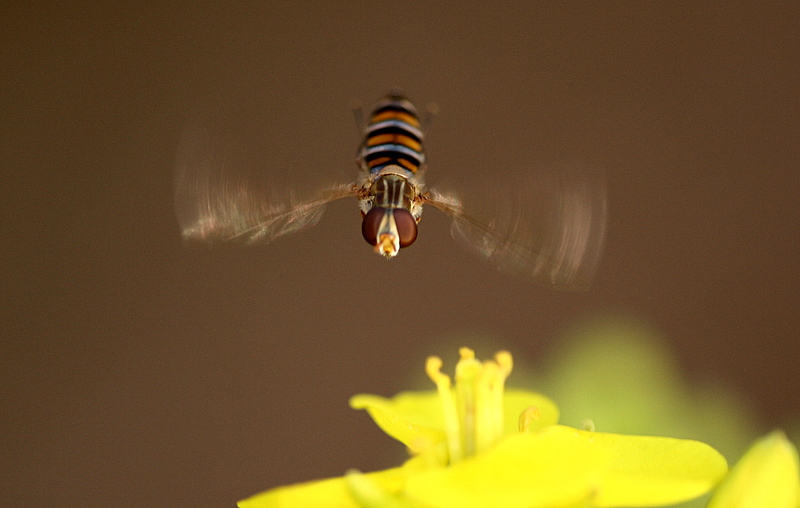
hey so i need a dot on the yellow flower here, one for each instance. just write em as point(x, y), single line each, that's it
point(766, 476)
point(477, 444)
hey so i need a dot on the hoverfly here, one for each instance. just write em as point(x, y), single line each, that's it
point(549, 229)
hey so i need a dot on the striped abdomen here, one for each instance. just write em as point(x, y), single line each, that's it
point(393, 137)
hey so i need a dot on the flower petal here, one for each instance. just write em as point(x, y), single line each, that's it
point(520, 472)
point(767, 475)
point(649, 471)
point(561, 466)
point(328, 493)
point(415, 418)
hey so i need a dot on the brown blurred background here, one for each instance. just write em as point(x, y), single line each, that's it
point(136, 372)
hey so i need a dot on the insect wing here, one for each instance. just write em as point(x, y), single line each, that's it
point(223, 194)
point(546, 227)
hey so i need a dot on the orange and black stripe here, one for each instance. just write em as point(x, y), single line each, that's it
point(393, 136)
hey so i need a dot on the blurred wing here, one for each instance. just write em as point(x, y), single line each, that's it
point(220, 197)
point(548, 228)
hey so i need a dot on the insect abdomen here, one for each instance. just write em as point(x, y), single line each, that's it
point(393, 136)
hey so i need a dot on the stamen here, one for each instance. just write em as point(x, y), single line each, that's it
point(505, 364)
point(505, 361)
point(433, 368)
point(473, 412)
point(468, 372)
point(527, 417)
point(490, 409)
point(486, 414)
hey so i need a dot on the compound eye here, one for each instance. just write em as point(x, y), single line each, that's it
point(371, 223)
point(406, 226)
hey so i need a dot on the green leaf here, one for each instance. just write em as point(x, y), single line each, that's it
point(626, 378)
